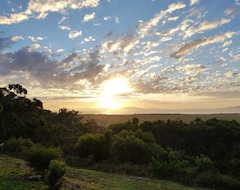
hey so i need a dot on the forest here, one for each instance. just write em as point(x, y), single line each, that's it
point(203, 153)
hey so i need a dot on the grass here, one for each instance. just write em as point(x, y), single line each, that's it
point(94, 180)
point(106, 120)
point(13, 172)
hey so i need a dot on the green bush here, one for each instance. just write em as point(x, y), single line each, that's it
point(171, 169)
point(95, 146)
point(204, 163)
point(90, 144)
point(216, 180)
point(56, 171)
point(40, 156)
point(17, 145)
point(131, 149)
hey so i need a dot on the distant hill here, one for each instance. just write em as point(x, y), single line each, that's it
point(136, 110)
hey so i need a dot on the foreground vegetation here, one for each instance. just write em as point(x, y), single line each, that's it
point(203, 153)
point(14, 172)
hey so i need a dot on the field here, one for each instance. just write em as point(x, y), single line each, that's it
point(13, 176)
point(106, 120)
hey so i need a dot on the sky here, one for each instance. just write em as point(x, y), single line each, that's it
point(123, 56)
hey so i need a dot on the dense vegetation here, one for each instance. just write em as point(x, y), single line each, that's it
point(200, 153)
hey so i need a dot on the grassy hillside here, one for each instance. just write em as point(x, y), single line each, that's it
point(106, 120)
point(13, 174)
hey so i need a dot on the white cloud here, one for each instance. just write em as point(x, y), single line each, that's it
point(59, 50)
point(88, 39)
point(173, 18)
point(192, 45)
point(204, 26)
point(117, 19)
point(74, 34)
point(106, 18)
point(147, 28)
point(14, 18)
point(89, 17)
point(35, 39)
point(40, 8)
point(64, 27)
point(41, 16)
point(33, 47)
point(193, 2)
point(16, 38)
point(227, 43)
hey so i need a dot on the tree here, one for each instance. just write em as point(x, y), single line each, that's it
point(18, 89)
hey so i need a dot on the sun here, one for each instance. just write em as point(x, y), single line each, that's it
point(112, 94)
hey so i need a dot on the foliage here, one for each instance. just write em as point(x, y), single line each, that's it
point(201, 152)
point(56, 171)
point(130, 149)
point(17, 145)
point(40, 156)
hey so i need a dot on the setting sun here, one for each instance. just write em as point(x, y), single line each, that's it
point(112, 92)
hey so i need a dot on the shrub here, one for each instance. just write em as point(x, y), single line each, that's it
point(131, 149)
point(204, 163)
point(90, 144)
point(40, 156)
point(17, 145)
point(55, 173)
point(216, 180)
point(171, 169)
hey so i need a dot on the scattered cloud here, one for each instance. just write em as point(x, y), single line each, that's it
point(64, 27)
point(106, 18)
point(89, 17)
point(16, 38)
point(74, 34)
point(193, 2)
point(117, 20)
point(88, 39)
point(39, 9)
point(188, 47)
point(35, 39)
point(204, 26)
point(178, 50)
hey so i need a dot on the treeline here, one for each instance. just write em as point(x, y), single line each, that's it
point(200, 153)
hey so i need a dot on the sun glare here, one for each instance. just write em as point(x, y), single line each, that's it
point(112, 94)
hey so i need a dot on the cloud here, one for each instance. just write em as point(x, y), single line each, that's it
point(39, 9)
point(88, 39)
point(106, 18)
point(16, 38)
point(204, 26)
point(35, 39)
point(38, 66)
point(147, 28)
point(188, 47)
point(234, 9)
point(124, 44)
point(64, 27)
point(74, 34)
point(117, 20)
point(173, 18)
point(193, 2)
point(59, 50)
point(14, 18)
point(89, 17)
point(7, 42)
